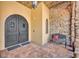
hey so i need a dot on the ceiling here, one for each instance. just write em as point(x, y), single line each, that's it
point(49, 4)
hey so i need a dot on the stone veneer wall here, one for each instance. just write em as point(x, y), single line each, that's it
point(60, 19)
point(77, 29)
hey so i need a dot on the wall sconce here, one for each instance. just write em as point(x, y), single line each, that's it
point(34, 4)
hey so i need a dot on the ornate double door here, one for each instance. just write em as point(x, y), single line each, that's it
point(16, 30)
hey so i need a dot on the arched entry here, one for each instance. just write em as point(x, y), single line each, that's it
point(16, 30)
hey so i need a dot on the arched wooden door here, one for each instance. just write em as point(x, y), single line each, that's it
point(16, 30)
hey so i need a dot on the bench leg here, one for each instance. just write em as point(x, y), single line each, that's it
point(65, 43)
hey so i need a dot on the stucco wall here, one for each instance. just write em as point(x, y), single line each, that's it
point(7, 9)
point(39, 16)
point(45, 15)
point(60, 20)
point(36, 22)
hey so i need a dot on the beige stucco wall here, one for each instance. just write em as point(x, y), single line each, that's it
point(36, 21)
point(45, 15)
point(39, 16)
point(7, 9)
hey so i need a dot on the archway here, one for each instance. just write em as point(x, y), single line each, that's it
point(16, 30)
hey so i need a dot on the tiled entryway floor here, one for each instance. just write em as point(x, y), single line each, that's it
point(32, 50)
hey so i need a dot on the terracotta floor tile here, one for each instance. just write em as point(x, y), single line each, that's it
point(32, 50)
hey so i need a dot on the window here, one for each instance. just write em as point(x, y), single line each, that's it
point(46, 25)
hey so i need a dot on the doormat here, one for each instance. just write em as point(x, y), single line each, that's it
point(25, 43)
point(11, 48)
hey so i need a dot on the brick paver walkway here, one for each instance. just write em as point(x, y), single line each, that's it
point(32, 50)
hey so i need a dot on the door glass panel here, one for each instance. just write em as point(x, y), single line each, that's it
point(23, 29)
point(11, 31)
point(12, 24)
point(23, 25)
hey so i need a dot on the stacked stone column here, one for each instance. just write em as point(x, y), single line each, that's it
point(72, 21)
point(77, 28)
